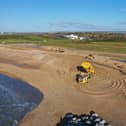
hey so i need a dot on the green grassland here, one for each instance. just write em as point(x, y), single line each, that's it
point(48, 40)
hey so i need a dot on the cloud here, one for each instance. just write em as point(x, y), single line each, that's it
point(122, 9)
point(36, 26)
point(123, 23)
point(75, 25)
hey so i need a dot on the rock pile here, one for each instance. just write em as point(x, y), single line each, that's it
point(91, 119)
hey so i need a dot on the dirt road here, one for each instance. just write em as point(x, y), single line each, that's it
point(53, 72)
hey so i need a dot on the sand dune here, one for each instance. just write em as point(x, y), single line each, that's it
point(53, 72)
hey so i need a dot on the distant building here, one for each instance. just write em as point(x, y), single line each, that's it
point(83, 38)
point(72, 36)
point(76, 37)
point(1, 33)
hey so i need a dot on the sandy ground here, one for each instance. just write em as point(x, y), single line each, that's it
point(53, 72)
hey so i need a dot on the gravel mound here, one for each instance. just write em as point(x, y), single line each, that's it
point(91, 119)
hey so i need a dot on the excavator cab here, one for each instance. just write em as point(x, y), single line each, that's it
point(87, 66)
point(87, 71)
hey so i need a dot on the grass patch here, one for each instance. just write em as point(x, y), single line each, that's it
point(107, 46)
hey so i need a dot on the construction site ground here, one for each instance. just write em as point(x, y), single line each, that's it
point(53, 70)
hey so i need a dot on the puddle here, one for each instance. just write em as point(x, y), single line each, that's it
point(120, 60)
point(124, 61)
point(17, 98)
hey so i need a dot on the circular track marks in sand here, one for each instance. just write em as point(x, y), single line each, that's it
point(106, 82)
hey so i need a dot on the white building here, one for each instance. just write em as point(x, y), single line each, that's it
point(72, 36)
point(1, 33)
point(76, 37)
point(82, 38)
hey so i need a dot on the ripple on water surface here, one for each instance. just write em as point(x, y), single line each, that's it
point(17, 98)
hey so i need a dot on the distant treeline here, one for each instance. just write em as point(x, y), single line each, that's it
point(13, 36)
point(94, 36)
point(28, 36)
point(99, 36)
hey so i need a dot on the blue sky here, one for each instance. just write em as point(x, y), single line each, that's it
point(62, 15)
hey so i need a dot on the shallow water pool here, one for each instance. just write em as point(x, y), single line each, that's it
point(17, 98)
point(121, 60)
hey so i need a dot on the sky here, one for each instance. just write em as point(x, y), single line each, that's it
point(62, 15)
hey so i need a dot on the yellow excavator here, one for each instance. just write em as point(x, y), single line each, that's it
point(86, 72)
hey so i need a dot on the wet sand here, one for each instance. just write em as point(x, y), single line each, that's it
point(53, 72)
